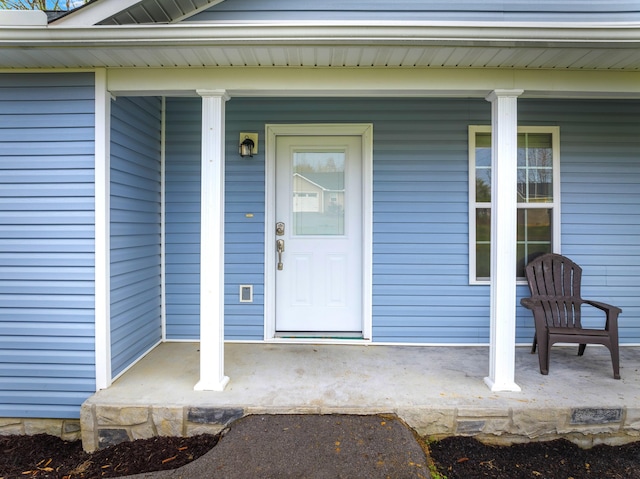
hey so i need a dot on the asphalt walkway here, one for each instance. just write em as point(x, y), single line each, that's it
point(309, 447)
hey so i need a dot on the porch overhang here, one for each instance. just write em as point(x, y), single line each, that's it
point(572, 46)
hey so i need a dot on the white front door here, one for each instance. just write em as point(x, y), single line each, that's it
point(319, 211)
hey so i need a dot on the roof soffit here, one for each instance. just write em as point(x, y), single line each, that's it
point(133, 12)
point(330, 44)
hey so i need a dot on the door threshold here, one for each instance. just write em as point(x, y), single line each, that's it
point(348, 336)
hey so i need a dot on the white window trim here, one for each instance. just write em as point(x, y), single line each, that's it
point(556, 222)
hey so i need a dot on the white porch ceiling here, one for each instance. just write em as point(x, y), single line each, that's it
point(322, 56)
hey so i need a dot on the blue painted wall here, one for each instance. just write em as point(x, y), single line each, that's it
point(424, 10)
point(182, 228)
point(136, 317)
point(46, 244)
point(421, 290)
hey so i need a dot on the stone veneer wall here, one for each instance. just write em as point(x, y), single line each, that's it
point(67, 429)
point(585, 427)
point(103, 426)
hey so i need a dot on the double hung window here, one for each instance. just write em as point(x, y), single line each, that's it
point(538, 197)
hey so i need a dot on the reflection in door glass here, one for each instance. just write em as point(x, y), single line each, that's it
point(318, 192)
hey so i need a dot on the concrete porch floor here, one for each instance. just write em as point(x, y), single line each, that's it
point(439, 391)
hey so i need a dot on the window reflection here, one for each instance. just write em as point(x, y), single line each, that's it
point(318, 201)
point(534, 235)
point(535, 168)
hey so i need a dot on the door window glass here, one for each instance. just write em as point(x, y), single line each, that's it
point(318, 201)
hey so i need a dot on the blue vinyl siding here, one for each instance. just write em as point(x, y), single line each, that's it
point(47, 360)
point(182, 228)
point(136, 317)
point(420, 214)
point(425, 10)
point(244, 236)
point(420, 210)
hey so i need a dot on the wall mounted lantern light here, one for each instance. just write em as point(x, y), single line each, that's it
point(248, 144)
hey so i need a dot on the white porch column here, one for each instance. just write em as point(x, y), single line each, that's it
point(212, 376)
point(504, 144)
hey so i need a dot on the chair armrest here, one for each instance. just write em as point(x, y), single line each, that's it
point(603, 306)
point(611, 313)
point(529, 303)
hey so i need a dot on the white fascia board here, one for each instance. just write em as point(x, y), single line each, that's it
point(93, 13)
point(330, 33)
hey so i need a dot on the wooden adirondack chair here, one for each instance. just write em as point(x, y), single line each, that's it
point(555, 301)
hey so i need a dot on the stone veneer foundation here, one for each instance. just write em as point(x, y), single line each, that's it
point(67, 429)
point(104, 426)
point(585, 427)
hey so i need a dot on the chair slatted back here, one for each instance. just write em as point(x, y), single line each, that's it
point(555, 281)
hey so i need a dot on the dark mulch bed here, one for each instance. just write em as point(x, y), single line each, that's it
point(44, 456)
point(466, 458)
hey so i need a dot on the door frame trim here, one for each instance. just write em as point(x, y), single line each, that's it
point(272, 131)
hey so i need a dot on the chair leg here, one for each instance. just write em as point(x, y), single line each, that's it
point(581, 349)
point(534, 344)
point(543, 353)
point(615, 360)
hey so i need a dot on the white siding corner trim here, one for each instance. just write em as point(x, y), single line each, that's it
point(102, 232)
point(504, 144)
point(163, 218)
point(212, 376)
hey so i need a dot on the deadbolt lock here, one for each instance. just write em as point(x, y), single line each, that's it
point(280, 229)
